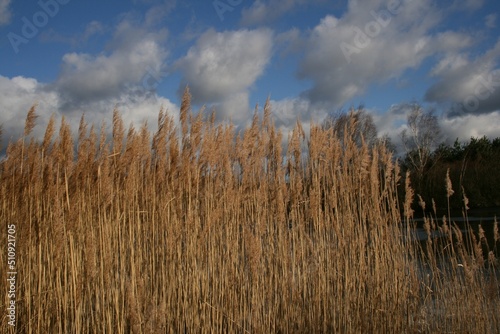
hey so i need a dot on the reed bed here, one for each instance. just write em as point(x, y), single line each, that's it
point(198, 229)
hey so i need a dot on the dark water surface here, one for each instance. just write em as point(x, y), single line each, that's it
point(475, 218)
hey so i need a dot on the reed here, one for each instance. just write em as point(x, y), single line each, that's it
point(202, 229)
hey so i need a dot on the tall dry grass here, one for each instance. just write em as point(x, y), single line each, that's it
point(201, 229)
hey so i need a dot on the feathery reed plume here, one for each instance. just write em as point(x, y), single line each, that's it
point(408, 211)
point(28, 127)
point(82, 129)
point(421, 202)
point(64, 151)
point(49, 132)
point(493, 262)
point(30, 120)
point(102, 139)
point(466, 199)
point(159, 145)
point(185, 111)
point(266, 120)
point(144, 147)
point(496, 233)
point(118, 132)
point(294, 145)
point(83, 145)
point(449, 188)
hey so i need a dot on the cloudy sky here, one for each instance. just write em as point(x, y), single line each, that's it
point(311, 57)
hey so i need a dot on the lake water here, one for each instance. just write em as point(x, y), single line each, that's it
point(483, 217)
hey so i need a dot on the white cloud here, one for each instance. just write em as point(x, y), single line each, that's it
point(5, 13)
point(394, 120)
point(451, 62)
point(158, 12)
point(133, 111)
point(469, 126)
point(262, 11)
point(491, 21)
point(223, 66)
point(288, 42)
point(95, 84)
point(473, 85)
point(86, 78)
point(467, 4)
point(372, 43)
point(235, 108)
point(21, 93)
point(286, 112)
point(93, 28)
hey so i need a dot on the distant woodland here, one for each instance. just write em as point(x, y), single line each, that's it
point(473, 170)
point(473, 166)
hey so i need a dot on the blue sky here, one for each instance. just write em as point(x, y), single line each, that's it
point(311, 57)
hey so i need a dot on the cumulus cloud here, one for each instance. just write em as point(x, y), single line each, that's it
point(159, 11)
point(393, 121)
point(95, 84)
point(471, 85)
point(469, 126)
point(18, 95)
point(234, 108)
point(222, 66)
point(372, 42)
point(5, 13)
point(93, 28)
point(467, 4)
point(21, 93)
point(266, 11)
point(86, 78)
point(287, 111)
point(491, 21)
point(289, 42)
point(451, 62)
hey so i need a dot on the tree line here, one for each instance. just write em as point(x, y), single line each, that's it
point(473, 171)
point(472, 166)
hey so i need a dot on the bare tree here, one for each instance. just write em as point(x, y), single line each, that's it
point(420, 137)
point(386, 141)
point(358, 122)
